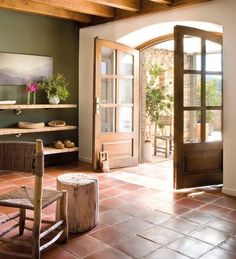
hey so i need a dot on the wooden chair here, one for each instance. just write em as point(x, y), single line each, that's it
point(167, 138)
point(29, 157)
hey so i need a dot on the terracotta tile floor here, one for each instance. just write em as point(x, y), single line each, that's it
point(142, 217)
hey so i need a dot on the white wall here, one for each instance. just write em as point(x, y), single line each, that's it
point(220, 12)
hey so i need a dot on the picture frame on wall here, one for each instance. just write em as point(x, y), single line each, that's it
point(17, 69)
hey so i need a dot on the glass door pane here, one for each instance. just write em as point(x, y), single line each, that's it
point(108, 61)
point(213, 56)
point(192, 90)
point(192, 126)
point(107, 119)
point(108, 90)
point(192, 53)
point(125, 90)
point(213, 90)
point(126, 64)
point(125, 119)
point(213, 125)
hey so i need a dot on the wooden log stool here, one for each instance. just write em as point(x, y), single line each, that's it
point(82, 200)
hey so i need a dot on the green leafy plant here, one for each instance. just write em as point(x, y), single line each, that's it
point(158, 101)
point(56, 86)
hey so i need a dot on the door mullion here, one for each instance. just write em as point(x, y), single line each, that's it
point(117, 99)
point(203, 91)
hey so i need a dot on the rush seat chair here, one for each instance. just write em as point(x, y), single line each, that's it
point(29, 157)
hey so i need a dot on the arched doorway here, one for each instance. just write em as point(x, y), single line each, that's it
point(199, 106)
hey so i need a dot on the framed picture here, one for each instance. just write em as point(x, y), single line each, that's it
point(17, 69)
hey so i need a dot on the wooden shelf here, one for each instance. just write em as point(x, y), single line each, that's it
point(35, 106)
point(51, 151)
point(16, 131)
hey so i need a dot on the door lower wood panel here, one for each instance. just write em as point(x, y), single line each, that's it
point(204, 161)
point(118, 148)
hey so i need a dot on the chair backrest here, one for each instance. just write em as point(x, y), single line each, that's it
point(22, 156)
point(167, 121)
point(25, 157)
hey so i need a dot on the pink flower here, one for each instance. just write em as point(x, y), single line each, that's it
point(32, 87)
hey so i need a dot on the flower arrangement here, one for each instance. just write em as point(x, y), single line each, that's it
point(55, 88)
point(31, 87)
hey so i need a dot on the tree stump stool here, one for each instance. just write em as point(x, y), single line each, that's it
point(82, 200)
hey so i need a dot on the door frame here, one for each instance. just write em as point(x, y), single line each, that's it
point(142, 89)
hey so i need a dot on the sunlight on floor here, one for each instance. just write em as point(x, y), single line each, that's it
point(157, 176)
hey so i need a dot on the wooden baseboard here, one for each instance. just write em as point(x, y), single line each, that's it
point(229, 191)
point(85, 159)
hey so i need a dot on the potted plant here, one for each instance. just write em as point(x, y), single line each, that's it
point(55, 88)
point(147, 151)
point(158, 101)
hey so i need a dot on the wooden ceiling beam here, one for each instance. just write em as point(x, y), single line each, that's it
point(179, 3)
point(129, 5)
point(162, 1)
point(152, 7)
point(81, 6)
point(149, 6)
point(95, 11)
point(43, 9)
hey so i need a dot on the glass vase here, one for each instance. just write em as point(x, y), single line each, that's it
point(34, 97)
point(28, 97)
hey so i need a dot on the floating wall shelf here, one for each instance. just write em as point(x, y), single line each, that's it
point(17, 131)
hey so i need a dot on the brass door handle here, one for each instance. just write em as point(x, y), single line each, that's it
point(97, 105)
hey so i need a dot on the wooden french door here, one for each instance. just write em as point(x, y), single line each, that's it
point(198, 107)
point(116, 103)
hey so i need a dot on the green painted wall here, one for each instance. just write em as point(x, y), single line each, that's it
point(39, 35)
